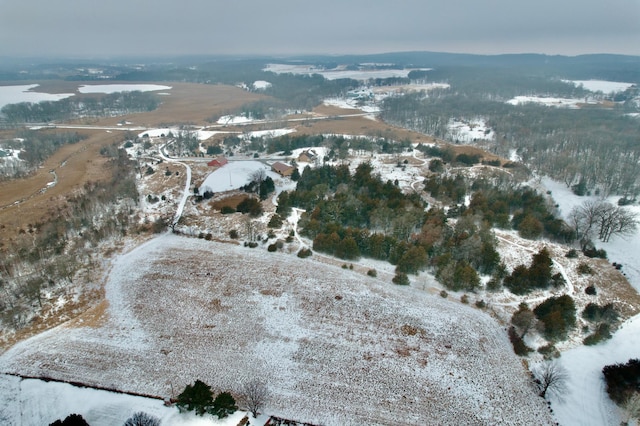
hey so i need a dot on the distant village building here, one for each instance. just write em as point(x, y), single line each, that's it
point(218, 161)
point(282, 169)
point(308, 156)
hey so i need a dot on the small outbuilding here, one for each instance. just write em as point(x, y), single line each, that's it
point(308, 156)
point(282, 169)
point(218, 161)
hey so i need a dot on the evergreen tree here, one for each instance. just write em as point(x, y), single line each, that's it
point(198, 398)
point(224, 405)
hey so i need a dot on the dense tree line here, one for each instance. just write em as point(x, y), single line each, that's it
point(353, 215)
point(112, 104)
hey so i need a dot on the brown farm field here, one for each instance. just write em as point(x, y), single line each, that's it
point(328, 341)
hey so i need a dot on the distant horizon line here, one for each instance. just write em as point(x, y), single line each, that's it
point(93, 57)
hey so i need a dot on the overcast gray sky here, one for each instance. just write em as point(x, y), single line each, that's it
point(151, 27)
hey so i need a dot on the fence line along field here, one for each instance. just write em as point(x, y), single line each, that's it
point(337, 347)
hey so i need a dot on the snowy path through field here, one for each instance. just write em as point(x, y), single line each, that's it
point(187, 185)
point(294, 218)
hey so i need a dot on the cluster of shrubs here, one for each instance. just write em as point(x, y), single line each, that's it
point(137, 419)
point(623, 380)
point(537, 276)
point(604, 317)
point(304, 252)
point(554, 317)
point(199, 399)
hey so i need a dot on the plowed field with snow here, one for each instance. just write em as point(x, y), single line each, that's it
point(336, 347)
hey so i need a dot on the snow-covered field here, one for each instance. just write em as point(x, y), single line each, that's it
point(272, 133)
point(25, 93)
point(469, 130)
point(586, 402)
point(351, 104)
point(606, 87)
point(548, 101)
point(336, 347)
point(114, 88)
point(234, 119)
point(234, 175)
point(157, 133)
point(624, 250)
point(33, 402)
point(340, 72)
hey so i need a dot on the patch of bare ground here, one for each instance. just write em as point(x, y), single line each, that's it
point(327, 341)
point(95, 316)
point(613, 287)
point(231, 200)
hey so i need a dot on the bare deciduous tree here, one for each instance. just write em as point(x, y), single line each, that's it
point(142, 419)
point(603, 219)
point(255, 395)
point(551, 378)
point(259, 175)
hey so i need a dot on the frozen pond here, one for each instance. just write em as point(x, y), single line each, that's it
point(21, 93)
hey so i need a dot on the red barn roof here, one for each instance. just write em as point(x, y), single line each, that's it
point(218, 162)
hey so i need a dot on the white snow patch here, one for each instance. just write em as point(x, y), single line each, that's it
point(261, 85)
point(469, 130)
point(606, 87)
point(234, 119)
point(114, 88)
point(548, 101)
point(24, 93)
point(273, 133)
point(233, 175)
point(351, 104)
point(586, 401)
